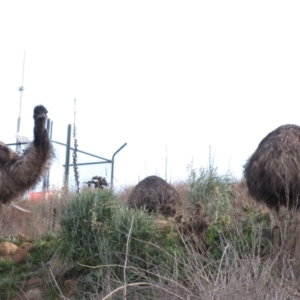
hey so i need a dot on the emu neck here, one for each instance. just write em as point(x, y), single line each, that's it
point(40, 132)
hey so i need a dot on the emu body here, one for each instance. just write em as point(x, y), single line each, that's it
point(156, 196)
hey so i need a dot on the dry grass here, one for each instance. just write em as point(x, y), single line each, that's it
point(43, 216)
point(124, 193)
point(243, 272)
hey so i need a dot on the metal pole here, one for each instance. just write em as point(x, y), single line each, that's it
point(50, 137)
point(80, 151)
point(47, 175)
point(51, 128)
point(48, 126)
point(113, 166)
point(67, 164)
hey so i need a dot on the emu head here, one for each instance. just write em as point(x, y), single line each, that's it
point(40, 112)
point(40, 116)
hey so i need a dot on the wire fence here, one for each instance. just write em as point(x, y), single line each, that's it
point(61, 173)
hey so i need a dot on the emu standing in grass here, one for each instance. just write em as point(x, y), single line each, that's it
point(273, 173)
point(20, 173)
point(155, 195)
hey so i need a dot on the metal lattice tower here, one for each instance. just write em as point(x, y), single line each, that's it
point(21, 89)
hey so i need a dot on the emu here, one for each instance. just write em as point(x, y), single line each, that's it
point(18, 174)
point(273, 174)
point(155, 195)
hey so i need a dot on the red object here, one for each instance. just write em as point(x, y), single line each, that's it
point(37, 196)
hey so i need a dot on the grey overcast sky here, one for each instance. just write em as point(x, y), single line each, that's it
point(169, 78)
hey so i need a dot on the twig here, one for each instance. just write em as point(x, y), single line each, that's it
point(191, 268)
point(126, 258)
point(220, 265)
point(76, 173)
point(20, 208)
point(138, 269)
point(168, 254)
point(141, 283)
point(61, 294)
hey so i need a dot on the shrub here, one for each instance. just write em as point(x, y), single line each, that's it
point(217, 195)
point(99, 231)
point(214, 191)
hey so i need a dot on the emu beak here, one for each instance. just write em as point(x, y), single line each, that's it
point(42, 116)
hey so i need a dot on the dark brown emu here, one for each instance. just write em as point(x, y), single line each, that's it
point(273, 173)
point(155, 195)
point(20, 173)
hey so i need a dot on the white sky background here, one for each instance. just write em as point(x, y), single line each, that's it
point(175, 75)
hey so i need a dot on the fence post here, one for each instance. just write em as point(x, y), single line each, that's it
point(113, 166)
point(67, 164)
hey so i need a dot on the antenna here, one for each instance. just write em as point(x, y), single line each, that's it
point(21, 89)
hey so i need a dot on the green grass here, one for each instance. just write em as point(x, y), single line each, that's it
point(97, 230)
point(6, 265)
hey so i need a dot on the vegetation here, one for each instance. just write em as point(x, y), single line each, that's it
point(108, 242)
point(217, 193)
point(98, 248)
point(14, 274)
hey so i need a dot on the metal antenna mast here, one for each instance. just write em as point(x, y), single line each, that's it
point(21, 89)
